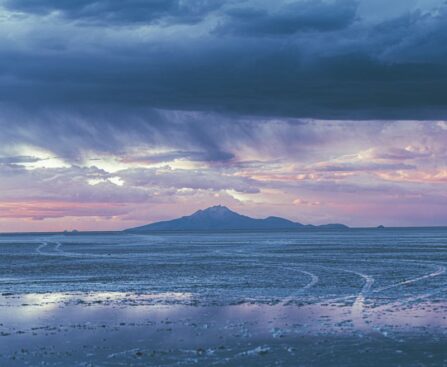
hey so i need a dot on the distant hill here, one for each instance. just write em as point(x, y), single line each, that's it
point(221, 218)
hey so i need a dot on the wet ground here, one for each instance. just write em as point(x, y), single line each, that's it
point(320, 298)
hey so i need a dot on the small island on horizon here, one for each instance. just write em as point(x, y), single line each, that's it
point(220, 218)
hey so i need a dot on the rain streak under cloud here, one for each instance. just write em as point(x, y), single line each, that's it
point(320, 111)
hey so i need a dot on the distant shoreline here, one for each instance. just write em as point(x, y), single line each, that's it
point(350, 229)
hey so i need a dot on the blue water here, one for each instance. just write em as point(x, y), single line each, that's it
point(265, 298)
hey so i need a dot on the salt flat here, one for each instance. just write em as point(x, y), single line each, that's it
point(361, 297)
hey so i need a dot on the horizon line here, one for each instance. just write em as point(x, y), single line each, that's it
point(75, 232)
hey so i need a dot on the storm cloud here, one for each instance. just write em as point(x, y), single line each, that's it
point(305, 59)
point(116, 12)
point(289, 18)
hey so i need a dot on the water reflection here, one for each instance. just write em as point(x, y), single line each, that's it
point(311, 318)
point(127, 328)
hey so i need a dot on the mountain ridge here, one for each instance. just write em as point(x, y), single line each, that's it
point(222, 218)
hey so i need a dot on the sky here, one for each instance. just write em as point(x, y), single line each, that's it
point(120, 113)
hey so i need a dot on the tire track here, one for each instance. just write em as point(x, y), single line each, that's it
point(40, 247)
point(314, 279)
point(57, 251)
point(440, 269)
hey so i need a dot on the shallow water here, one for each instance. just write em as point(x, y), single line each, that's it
point(351, 298)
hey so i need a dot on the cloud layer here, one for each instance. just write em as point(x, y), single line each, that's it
point(319, 59)
point(360, 173)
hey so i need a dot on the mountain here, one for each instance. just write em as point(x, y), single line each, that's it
point(221, 218)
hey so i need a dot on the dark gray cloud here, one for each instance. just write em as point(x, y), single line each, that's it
point(18, 159)
point(119, 12)
point(213, 156)
point(401, 154)
point(363, 167)
point(188, 179)
point(324, 61)
point(290, 18)
point(196, 136)
point(65, 184)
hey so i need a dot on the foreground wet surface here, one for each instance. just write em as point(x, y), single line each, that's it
point(356, 298)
